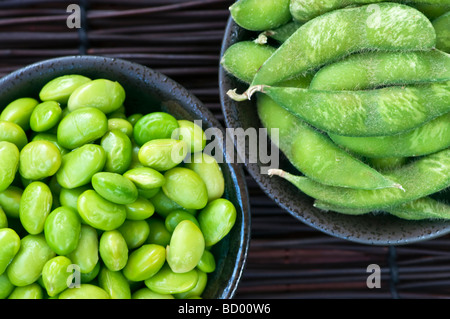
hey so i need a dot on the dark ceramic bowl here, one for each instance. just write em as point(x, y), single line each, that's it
point(147, 91)
point(367, 229)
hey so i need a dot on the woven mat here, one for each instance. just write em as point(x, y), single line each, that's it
point(182, 39)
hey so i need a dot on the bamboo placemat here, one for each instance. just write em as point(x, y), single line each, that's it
point(182, 39)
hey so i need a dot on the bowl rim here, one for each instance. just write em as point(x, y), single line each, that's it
point(430, 230)
point(167, 85)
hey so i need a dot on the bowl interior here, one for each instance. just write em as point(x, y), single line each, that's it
point(366, 229)
point(148, 91)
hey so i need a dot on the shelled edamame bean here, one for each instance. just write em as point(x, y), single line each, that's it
point(119, 205)
point(375, 79)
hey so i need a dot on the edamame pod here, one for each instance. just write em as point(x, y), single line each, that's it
point(209, 170)
point(60, 88)
point(118, 148)
point(114, 187)
point(13, 133)
point(56, 274)
point(78, 166)
point(84, 291)
point(99, 212)
point(380, 112)
point(27, 265)
point(19, 112)
point(62, 230)
point(113, 250)
point(426, 139)
point(81, 126)
point(260, 15)
point(307, 10)
point(216, 220)
point(433, 168)
point(9, 164)
point(442, 28)
point(39, 159)
point(144, 262)
point(186, 188)
point(86, 255)
point(314, 154)
point(374, 69)
point(283, 32)
point(102, 94)
point(35, 205)
point(186, 247)
point(342, 32)
point(9, 246)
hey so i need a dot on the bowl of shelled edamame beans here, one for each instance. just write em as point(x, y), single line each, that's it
point(113, 180)
point(355, 99)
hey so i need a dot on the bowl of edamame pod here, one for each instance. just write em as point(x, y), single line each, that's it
point(338, 88)
point(114, 181)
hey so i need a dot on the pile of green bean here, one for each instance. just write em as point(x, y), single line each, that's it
point(97, 203)
point(360, 94)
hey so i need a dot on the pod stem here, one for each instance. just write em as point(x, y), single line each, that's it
point(276, 171)
point(247, 95)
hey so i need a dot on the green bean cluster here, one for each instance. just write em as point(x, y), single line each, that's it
point(96, 203)
point(360, 94)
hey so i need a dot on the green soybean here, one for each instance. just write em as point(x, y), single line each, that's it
point(186, 188)
point(197, 290)
point(84, 291)
point(55, 275)
point(81, 126)
point(32, 291)
point(69, 197)
point(35, 205)
point(114, 187)
point(9, 246)
point(163, 154)
point(99, 212)
point(45, 116)
point(19, 112)
point(176, 216)
point(3, 219)
point(39, 159)
point(342, 32)
point(114, 283)
point(186, 247)
point(313, 153)
point(144, 262)
point(27, 265)
point(168, 282)
point(145, 293)
point(102, 94)
point(165, 205)
point(78, 166)
point(62, 230)
point(209, 170)
point(426, 139)
point(9, 164)
point(216, 220)
point(155, 125)
point(52, 138)
point(86, 254)
point(379, 112)
point(442, 28)
point(135, 232)
point(140, 209)
point(260, 15)
point(13, 133)
point(433, 168)
point(10, 201)
point(374, 69)
point(113, 250)
point(145, 178)
point(192, 133)
point(122, 125)
point(118, 148)
point(158, 232)
point(6, 287)
point(60, 88)
point(207, 263)
point(244, 58)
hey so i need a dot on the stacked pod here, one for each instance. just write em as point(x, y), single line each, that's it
point(97, 203)
point(360, 94)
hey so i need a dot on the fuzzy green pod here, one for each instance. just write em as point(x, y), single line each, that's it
point(442, 27)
